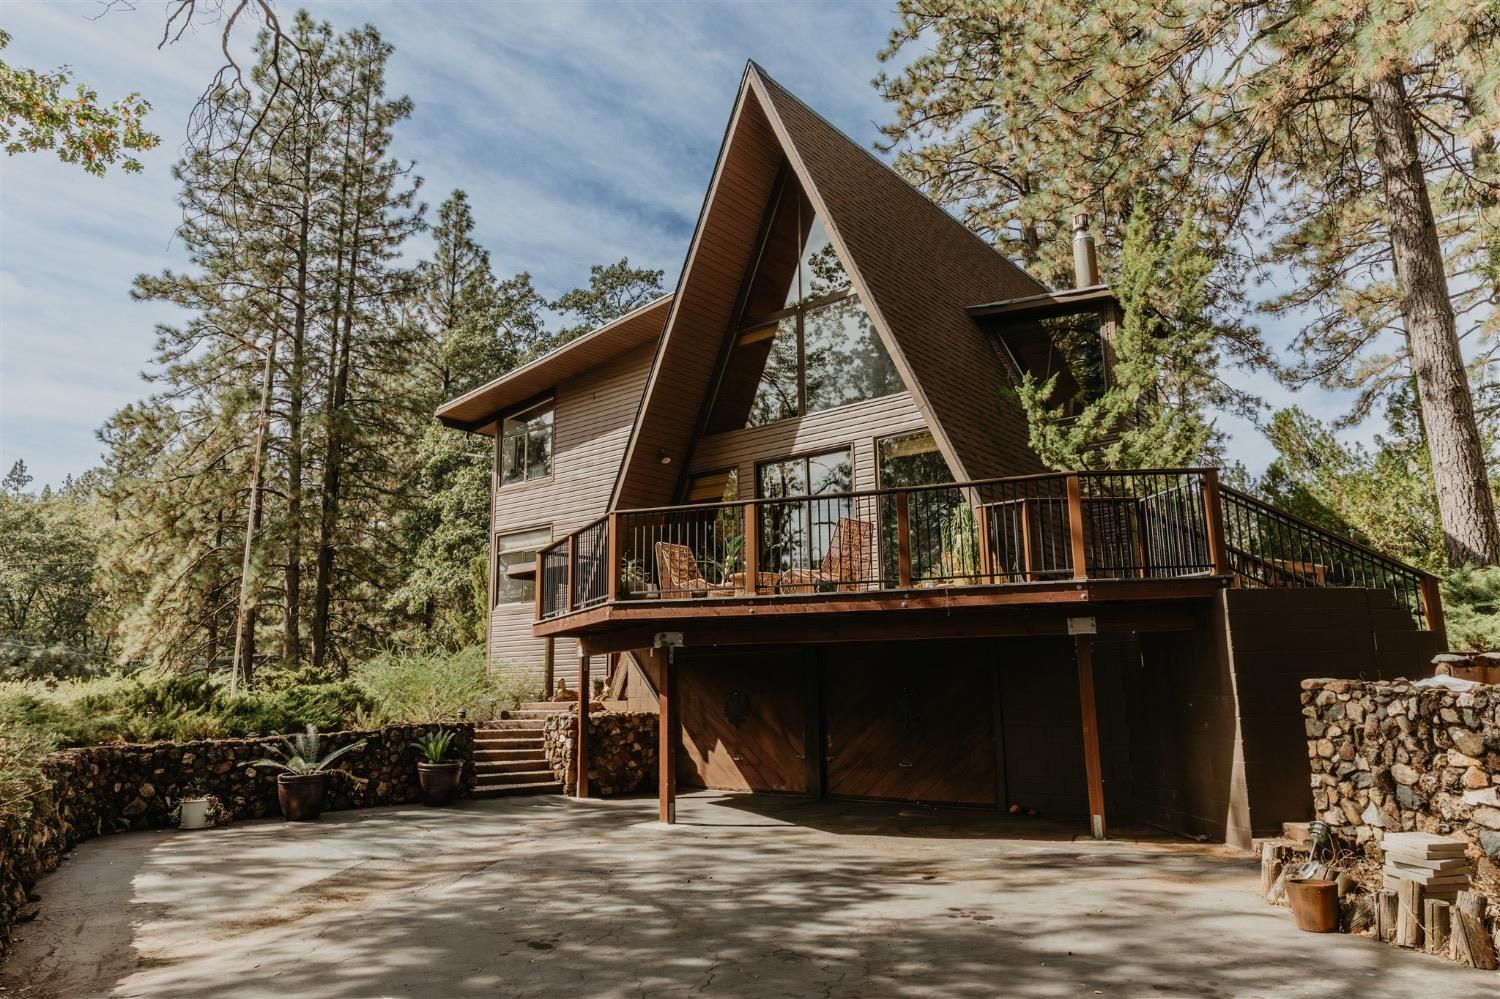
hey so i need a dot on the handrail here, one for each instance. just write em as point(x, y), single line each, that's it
point(1095, 524)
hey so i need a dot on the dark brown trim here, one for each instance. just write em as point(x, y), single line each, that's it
point(1065, 300)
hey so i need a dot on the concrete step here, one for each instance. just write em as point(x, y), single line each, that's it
point(507, 790)
point(537, 775)
point(550, 707)
point(519, 742)
point(488, 769)
point(512, 725)
point(517, 753)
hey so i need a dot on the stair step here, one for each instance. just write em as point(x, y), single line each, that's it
point(529, 714)
point(513, 724)
point(539, 775)
point(506, 790)
point(548, 706)
point(522, 742)
point(526, 766)
point(508, 753)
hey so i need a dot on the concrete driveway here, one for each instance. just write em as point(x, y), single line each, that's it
point(746, 896)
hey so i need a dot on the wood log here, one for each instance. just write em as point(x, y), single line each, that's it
point(1435, 920)
point(1270, 867)
point(1472, 944)
point(1409, 914)
point(1386, 908)
point(1357, 912)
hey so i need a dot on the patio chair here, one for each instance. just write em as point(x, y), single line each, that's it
point(677, 567)
point(848, 564)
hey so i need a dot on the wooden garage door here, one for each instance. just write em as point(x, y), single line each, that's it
point(895, 730)
point(743, 720)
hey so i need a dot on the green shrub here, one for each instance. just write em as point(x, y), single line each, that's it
point(422, 687)
point(1471, 608)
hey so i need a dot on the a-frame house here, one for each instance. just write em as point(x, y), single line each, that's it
point(792, 507)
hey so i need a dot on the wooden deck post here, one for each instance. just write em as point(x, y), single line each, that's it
point(666, 745)
point(1432, 609)
point(1075, 528)
point(581, 749)
point(751, 534)
point(986, 555)
point(903, 538)
point(549, 669)
point(1083, 646)
point(568, 596)
point(612, 568)
point(1213, 518)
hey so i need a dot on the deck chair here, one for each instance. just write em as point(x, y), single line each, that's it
point(678, 571)
point(848, 564)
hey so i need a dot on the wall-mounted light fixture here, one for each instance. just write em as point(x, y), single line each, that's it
point(662, 456)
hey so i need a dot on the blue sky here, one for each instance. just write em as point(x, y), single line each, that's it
point(582, 132)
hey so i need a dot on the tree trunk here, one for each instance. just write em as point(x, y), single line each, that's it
point(1465, 504)
point(244, 629)
point(291, 642)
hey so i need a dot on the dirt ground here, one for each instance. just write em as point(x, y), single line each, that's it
point(747, 896)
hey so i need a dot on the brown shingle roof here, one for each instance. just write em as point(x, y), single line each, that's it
point(477, 410)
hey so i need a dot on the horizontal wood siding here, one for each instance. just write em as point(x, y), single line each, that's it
point(858, 425)
point(592, 421)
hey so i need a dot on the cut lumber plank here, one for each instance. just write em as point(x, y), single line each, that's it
point(1440, 864)
point(1424, 846)
point(1472, 944)
point(1409, 914)
point(1386, 908)
point(1435, 918)
point(1434, 878)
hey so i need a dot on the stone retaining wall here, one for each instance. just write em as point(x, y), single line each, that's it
point(622, 750)
point(112, 788)
point(1392, 756)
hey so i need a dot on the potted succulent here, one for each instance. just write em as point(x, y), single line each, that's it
point(304, 774)
point(440, 777)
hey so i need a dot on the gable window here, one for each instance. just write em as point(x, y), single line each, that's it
point(515, 564)
point(1069, 346)
point(914, 460)
point(804, 343)
point(526, 444)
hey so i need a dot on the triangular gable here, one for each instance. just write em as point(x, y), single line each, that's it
point(915, 267)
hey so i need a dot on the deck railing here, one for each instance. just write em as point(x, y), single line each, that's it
point(1148, 524)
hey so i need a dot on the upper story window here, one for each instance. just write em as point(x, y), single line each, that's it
point(1069, 345)
point(526, 444)
point(803, 343)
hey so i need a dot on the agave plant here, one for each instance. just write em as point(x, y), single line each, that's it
point(303, 754)
point(434, 745)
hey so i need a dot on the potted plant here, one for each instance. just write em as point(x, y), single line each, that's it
point(304, 778)
point(633, 578)
point(199, 809)
point(440, 777)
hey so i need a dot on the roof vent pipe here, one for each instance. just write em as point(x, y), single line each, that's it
point(1085, 261)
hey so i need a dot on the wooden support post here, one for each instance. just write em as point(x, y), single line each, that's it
point(538, 587)
point(986, 553)
point(581, 749)
point(1075, 528)
point(549, 669)
point(1432, 609)
point(1024, 512)
point(568, 596)
point(1083, 646)
point(1387, 907)
point(752, 548)
point(903, 537)
point(1409, 913)
point(612, 567)
point(1435, 919)
point(666, 745)
point(1213, 523)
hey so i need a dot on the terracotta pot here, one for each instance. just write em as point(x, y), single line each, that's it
point(1315, 904)
point(301, 795)
point(440, 781)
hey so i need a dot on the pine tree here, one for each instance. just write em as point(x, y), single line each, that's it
point(613, 290)
point(1295, 120)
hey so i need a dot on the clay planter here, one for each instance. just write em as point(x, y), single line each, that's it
point(440, 781)
point(301, 796)
point(1315, 904)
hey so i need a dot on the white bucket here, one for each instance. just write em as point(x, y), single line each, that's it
point(194, 814)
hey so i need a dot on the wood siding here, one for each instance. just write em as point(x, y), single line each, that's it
point(858, 426)
point(592, 421)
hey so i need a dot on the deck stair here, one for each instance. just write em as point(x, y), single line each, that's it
point(509, 758)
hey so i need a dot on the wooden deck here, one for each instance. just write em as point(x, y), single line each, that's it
point(1003, 556)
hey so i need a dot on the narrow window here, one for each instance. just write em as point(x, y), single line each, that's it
point(515, 564)
point(719, 486)
point(526, 444)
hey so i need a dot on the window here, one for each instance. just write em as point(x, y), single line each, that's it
point(526, 444)
point(914, 460)
point(1069, 346)
point(515, 564)
point(911, 460)
point(720, 486)
point(803, 343)
point(796, 535)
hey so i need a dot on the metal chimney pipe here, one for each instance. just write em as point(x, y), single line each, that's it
point(1085, 260)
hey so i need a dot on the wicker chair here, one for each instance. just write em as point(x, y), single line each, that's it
point(678, 570)
point(849, 563)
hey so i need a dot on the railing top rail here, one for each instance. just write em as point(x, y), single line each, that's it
point(1322, 532)
point(573, 533)
point(892, 490)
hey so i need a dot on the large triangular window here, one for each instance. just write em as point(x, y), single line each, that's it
point(803, 342)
